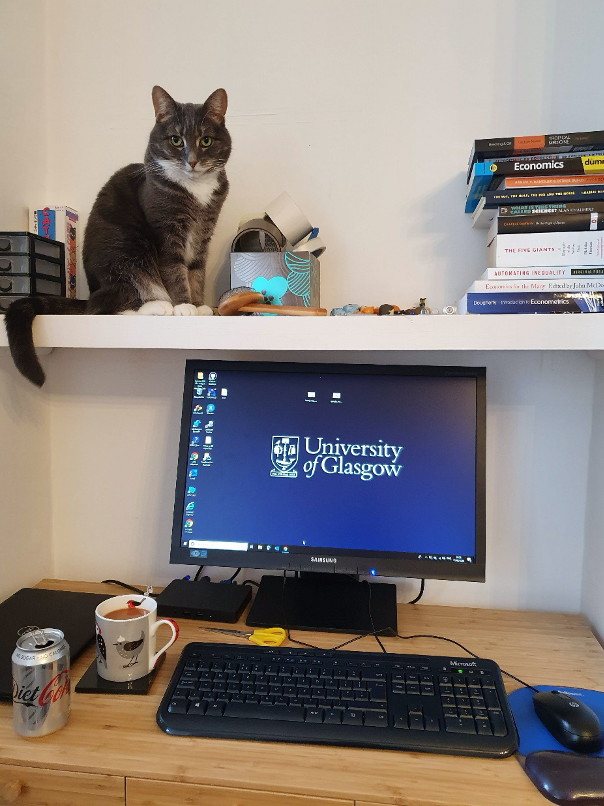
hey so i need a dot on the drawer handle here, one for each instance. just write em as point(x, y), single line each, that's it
point(4, 245)
point(10, 792)
point(6, 264)
point(6, 286)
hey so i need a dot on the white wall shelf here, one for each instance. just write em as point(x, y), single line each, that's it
point(354, 333)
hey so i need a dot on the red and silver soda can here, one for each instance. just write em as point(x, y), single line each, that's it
point(41, 682)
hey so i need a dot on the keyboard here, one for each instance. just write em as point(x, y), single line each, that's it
point(339, 697)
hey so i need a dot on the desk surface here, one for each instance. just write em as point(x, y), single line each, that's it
point(117, 734)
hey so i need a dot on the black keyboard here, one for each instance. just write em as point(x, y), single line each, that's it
point(357, 699)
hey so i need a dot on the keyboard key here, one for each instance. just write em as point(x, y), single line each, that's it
point(459, 724)
point(352, 718)
point(401, 722)
point(416, 722)
point(483, 727)
point(491, 699)
point(498, 723)
point(432, 724)
point(198, 707)
point(314, 715)
point(375, 719)
point(178, 705)
point(281, 713)
point(333, 717)
point(215, 709)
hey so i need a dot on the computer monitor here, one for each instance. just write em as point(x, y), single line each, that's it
point(341, 469)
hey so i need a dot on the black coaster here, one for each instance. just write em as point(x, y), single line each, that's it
point(91, 683)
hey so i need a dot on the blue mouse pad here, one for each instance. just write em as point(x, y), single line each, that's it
point(532, 733)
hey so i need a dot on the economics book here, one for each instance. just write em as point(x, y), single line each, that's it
point(543, 273)
point(532, 302)
point(493, 148)
point(579, 222)
point(486, 175)
point(582, 284)
point(546, 249)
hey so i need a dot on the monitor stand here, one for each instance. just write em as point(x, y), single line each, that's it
point(325, 603)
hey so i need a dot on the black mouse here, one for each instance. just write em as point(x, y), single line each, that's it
point(570, 721)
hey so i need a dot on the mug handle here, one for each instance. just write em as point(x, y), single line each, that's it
point(175, 631)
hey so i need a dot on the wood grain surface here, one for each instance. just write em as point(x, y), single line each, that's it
point(117, 734)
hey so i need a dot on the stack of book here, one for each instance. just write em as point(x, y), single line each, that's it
point(541, 200)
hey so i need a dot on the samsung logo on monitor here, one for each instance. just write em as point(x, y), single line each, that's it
point(331, 560)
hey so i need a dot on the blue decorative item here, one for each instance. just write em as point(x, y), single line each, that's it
point(272, 290)
point(298, 278)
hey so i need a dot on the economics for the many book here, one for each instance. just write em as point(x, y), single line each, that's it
point(547, 249)
point(507, 286)
point(532, 302)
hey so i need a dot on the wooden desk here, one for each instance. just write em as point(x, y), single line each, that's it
point(112, 752)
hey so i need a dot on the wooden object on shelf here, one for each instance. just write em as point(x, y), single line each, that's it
point(113, 741)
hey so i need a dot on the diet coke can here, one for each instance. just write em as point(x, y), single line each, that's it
point(41, 682)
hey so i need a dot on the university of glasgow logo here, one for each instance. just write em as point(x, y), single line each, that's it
point(285, 452)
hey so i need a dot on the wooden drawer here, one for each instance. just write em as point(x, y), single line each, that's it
point(140, 792)
point(29, 786)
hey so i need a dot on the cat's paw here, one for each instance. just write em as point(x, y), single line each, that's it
point(157, 307)
point(204, 310)
point(128, 313)
point(185, 309)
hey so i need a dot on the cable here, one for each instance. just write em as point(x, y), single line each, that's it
point(123, 585)
point(420, 594)
point(231, 578)
point(251, 582)
point(198, 574)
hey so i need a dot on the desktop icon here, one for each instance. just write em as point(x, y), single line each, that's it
point(311, 394)
point(212, 376)
point(189, 523)
point(207, 457)
point(196, 423)
point(211, 392)
point(209, 424)
point(210, 408)
point(200, 376)
point(224, 392)
point(198, 408)
point(190, 506)
point(194, 457)
point(208, 440)
point(336, 396)
point(191, 490)
point(194, 441)
point(193, 473)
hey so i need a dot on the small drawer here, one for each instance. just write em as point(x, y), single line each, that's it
point(20, 264)
point(5, 301)
point(14, 243)
point(20, 242)
point(23, 285)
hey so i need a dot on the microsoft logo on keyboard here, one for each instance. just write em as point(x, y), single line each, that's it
point(462, 663)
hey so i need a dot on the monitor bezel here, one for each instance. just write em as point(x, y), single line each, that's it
point(352, 563)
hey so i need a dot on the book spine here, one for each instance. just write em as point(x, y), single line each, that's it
point(543, 272)
point(566, 180)
point(496, 198)
point(561, 208)
point(539, 144)
point(559, 165)
point(578, 222)
point(579, 284)
point(547, 249)
point(533, 302)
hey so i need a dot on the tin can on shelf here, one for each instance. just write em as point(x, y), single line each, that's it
point(41, 682)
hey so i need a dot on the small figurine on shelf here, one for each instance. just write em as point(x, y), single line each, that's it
point(383, 310)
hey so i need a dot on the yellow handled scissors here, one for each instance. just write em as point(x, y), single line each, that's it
point(269, 636)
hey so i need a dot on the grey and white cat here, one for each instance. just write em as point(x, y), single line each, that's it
point(147, 237)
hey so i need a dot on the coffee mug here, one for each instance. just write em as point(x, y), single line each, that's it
point(125, 646)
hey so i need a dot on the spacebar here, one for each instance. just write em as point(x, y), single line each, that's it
point(281, 713)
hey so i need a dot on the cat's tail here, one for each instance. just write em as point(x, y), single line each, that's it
point(18, 321)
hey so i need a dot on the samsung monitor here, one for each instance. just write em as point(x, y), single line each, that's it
point(352, 471)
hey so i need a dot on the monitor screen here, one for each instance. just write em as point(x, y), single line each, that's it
point(361, 469)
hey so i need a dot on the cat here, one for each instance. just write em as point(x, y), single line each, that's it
point(147, 237)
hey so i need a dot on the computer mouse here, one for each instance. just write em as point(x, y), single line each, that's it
point(571, 722)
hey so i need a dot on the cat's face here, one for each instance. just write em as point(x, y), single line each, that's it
point(189, 142)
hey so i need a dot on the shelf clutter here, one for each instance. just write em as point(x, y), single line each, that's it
point(542, 201)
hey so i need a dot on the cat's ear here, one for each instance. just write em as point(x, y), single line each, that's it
point(216, 106)
point(163, 103)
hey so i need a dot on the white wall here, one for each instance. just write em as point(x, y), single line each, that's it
point(592, 601)
point(25, 531)
point(364, 113)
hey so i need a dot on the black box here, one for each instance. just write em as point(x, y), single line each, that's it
point(204, 600)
